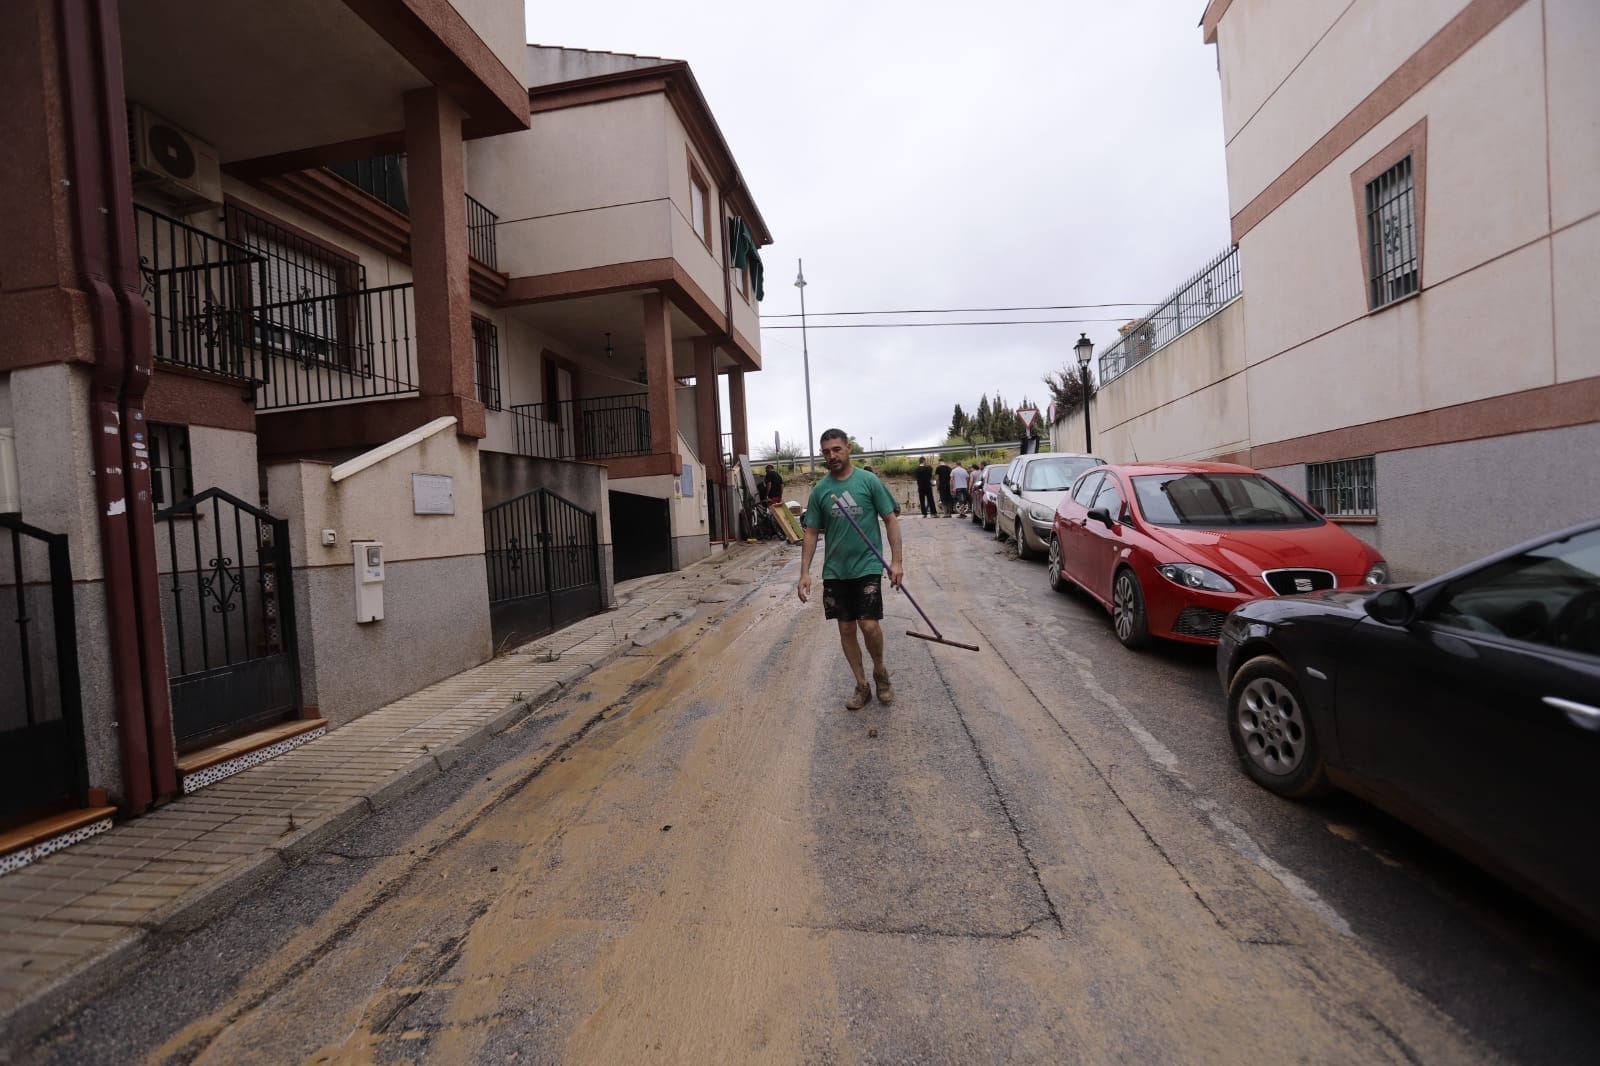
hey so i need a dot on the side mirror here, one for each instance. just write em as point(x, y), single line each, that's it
point(1100, 514)
point(1393, 607)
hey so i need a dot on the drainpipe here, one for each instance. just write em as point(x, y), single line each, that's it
point(99, 198)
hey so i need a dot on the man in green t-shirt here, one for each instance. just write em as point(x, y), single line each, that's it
point(852, 591)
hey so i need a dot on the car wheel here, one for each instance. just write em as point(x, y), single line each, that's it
point(1127, 610)
point(1270, 731)
point(988, 523)
point(1058, 580)
point(999, 530)
point(1021, 536)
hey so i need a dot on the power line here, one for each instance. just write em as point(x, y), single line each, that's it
point(940, 325)
point(970, 310)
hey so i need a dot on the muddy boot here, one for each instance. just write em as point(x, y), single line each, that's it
point(880, 677)
point(858, 699)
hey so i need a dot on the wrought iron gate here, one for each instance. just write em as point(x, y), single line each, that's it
point(543, 559)
point(228, 614)
point(41, 718)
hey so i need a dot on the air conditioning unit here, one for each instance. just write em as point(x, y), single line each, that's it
point(172, 162)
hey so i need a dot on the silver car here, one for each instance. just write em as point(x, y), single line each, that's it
point(1033, 485)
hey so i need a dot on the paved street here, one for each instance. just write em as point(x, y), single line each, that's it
point(696, 854)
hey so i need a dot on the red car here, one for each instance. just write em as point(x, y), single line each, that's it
point(1170, 548)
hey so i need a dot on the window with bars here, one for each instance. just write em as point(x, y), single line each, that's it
point(303, 295)
point(1345, 488)
point(486, 361)
point(170, 476)
point(1392, 266)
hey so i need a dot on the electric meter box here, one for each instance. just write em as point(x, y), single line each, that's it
point(369, 580)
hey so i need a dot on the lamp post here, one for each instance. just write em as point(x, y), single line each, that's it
point(805, 357)
point(1085, 351)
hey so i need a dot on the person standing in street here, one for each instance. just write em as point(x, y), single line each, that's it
point(852, 575)
point(772, 485)
point(958, 487)
point(941, 474)
point(924, 476)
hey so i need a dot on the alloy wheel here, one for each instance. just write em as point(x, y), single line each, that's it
point(1124, 605)
point(1272, 724)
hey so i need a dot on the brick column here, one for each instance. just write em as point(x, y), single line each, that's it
point(436, 188)
point(658, 368)
point(705, 408)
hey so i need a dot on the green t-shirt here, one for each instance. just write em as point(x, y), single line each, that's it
point(845, 554)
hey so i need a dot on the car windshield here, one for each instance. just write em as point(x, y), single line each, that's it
point(1218, 500)
point(1057, 474)
point(993, 475)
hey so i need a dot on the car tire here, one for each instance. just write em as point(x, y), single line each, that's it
point(1128, 618)
point(1271, 731)
point(988, 523)
point(1021, 536)
point(1058, 581)
point(999, 529)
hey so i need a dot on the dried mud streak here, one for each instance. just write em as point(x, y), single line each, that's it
point(1005, 805)
point(391, 890)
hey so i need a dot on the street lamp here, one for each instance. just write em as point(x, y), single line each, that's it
point(1085, 350)
point(805, 356)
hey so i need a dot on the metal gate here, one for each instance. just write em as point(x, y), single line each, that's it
point(543, 558)
point(228, 614)
point(42, 758)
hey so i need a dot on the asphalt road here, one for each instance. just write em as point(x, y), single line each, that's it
point(1045, 854)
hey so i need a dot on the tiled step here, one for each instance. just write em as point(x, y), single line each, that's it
point(23, 845)
point(207, 766)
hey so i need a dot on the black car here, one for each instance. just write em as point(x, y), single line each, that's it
point(1468, 706)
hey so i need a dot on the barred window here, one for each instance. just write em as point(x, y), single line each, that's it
point(1392, 235)
point(486, 361)
point(170, 477)
point(302, 296)
point(1346, 488)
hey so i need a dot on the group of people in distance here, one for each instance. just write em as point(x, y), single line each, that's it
point(954, 484)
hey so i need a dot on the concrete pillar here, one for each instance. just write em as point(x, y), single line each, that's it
point(736, 412)
point(658, 369)
point(705, 407)
point(436, 188)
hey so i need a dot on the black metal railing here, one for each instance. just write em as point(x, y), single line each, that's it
point(1214, 287)
point(228, 615)
point(481, 223)
point(604, 427)
point(382, 178)
point(346, 346)
point(42, 758)
point(198, 288)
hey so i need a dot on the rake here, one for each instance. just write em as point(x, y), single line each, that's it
point(937, 638)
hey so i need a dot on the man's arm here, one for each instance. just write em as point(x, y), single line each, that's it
point(807, 550)
point(891, 525)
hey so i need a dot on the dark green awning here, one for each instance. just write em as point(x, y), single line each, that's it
point(744, 254)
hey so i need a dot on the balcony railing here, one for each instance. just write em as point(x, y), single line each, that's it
point(605, 427)
point(383, 178)
point(481, 224)
point(352, 345)
point(1216, 286)
point(198, 290)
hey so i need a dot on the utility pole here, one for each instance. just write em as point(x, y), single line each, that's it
point(805, 356)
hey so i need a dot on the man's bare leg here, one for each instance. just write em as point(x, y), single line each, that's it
point(873, 632)
point(852, 654)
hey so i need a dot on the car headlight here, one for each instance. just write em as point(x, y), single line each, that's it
point(1192, 576)
point(1041, 513)
point(1379, 574)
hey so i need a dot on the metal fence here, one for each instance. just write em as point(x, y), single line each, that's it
point(198, 288)
point(1214, 287)
point(382, 177)
point(346, 346)
point(605, 427)
point(481, 223)
point(1346, 488)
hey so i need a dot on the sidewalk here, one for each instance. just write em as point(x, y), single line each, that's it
point(73, 921)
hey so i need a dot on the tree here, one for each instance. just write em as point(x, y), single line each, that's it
point(1066, 390)
point(985, 418)
point(958, 423)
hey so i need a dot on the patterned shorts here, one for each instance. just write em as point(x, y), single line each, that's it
point(852, 599)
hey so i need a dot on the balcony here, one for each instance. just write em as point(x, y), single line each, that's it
point(337, 347)
point(605, 427)
point(383, 178)
point(198, 287)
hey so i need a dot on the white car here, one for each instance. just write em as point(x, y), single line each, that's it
point(1025, 509)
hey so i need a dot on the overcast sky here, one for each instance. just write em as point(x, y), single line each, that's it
point(945, 155)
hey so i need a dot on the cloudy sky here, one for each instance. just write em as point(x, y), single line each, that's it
point(942, 155)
